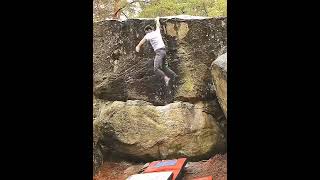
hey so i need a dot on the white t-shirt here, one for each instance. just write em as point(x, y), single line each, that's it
point(155, 39)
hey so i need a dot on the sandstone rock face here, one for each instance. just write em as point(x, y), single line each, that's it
point(139, 130)
point(135, 116)
point(219, 74)
point(97, 154)
point(96, 108)
point(122, 74)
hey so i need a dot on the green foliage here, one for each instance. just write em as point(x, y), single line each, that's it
point(128, 9)
point(212, 8)
point(219, 9)
point(161, 8)
point(153, 8)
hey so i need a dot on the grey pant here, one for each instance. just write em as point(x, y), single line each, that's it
point(159, 65)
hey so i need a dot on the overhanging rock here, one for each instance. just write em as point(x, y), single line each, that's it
point(122, 74)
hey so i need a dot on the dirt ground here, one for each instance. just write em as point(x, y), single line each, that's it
point(215, 166)
point(117, 171)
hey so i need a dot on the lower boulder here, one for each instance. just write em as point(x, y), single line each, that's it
point(139, 130)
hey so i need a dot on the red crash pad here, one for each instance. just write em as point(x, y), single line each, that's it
point(174, 165)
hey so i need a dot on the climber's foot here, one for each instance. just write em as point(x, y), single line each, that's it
point(166, 79)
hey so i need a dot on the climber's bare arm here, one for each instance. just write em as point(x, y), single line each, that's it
point(157, 22)
point(140, 44)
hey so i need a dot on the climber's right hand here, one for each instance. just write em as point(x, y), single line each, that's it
point(137, 48)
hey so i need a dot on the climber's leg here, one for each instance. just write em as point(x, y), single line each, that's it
point(169, 72)
point(158, 64)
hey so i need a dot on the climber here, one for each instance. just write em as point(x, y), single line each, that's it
point(155, 39)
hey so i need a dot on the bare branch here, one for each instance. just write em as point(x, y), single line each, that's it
point(124, 14)
point(126, 5)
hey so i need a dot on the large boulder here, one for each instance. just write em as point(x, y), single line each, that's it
point(97, 153)
point(121, 74)
point(96, 108)
point(139, 130)
point(219, 74)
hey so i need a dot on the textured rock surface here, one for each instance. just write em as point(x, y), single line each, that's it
point(96, 108)
point(138, 130)
point(219, 74)
point(121, 74)
point(97, 154)
point(144, 129)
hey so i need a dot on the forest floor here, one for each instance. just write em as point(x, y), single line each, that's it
point(216, 167)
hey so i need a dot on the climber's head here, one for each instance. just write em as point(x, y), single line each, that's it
point(148, 29)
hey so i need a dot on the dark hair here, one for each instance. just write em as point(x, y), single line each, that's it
point(148, 27)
